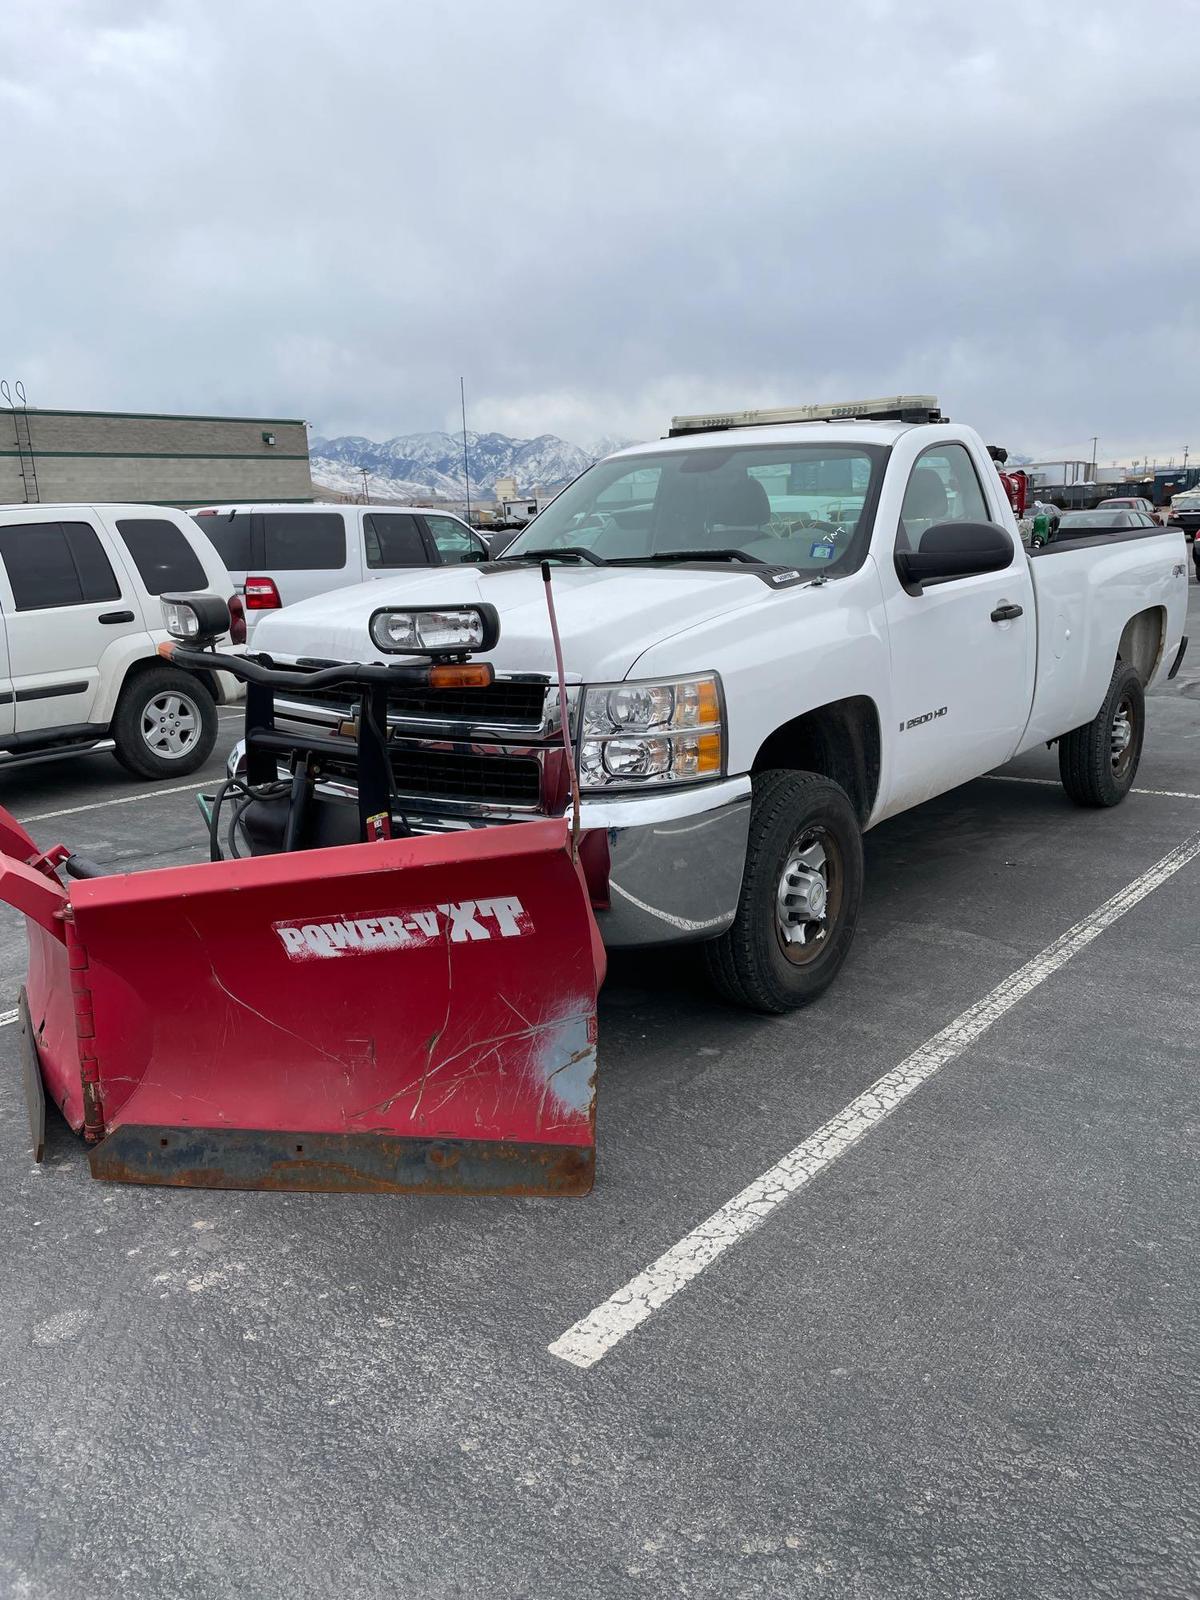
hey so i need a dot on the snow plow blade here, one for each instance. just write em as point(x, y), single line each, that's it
point(410, 1015)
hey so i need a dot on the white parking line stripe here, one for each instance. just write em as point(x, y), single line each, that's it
point(8, 1016)
point(591, 1338)
point(1163, 794)
point(118, 800)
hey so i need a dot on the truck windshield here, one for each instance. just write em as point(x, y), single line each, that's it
point(797, 505)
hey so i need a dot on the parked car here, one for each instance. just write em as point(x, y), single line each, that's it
point(1129, 503)
point(775, 637)
point(1074, 523)
point(277, 554)
point(1185, 515)
point(79, 662)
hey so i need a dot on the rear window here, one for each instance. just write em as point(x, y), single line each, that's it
point(297, 541)
point(393, 540)
point(229, 535)
point(163, 557)
point(56, 564)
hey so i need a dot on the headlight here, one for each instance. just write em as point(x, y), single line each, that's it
point(634, 734)
point(434, 630)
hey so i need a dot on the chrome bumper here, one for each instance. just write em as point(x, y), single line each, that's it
point(675, 860)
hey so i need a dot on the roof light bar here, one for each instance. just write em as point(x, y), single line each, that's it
point(890, 408)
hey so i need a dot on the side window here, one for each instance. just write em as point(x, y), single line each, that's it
point(299, 541)
point(393, 539)
point(56, 564)
point(163, 557)
point(229, 535)
point(456, 544)
point(944, 487)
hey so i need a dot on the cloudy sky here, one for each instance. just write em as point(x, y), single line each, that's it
point(605, 213)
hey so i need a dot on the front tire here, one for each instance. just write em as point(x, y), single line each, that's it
point(801, 891)
point(1098, 762)
point(165, 725)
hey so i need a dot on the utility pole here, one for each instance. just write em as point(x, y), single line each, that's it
point(1185, 456)
point(366, 490)
point(1095, 441)
point(462, 395)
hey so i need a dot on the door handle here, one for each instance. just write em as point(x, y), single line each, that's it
point(110, 617)
point(1006, 612)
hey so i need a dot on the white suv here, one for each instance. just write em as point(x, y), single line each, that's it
point(79, 662)
point(278, 554)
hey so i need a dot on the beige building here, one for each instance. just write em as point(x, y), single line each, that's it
point(55, 456)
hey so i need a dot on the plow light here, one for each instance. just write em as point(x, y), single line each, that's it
point(436, 630)
point(195, 618)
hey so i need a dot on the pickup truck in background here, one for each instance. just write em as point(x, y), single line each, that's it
point(82, 623)
point(779, 630)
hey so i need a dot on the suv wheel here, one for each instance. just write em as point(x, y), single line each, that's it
point(166, 724)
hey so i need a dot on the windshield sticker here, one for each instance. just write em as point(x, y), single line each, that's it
point(822, 550)
point(458, 923)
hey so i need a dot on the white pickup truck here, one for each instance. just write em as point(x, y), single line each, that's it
point(777, 634)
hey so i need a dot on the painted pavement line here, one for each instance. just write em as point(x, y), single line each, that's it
point(593, 1336)
point(117, 800)
point(7, 1017)
point(1163, 794)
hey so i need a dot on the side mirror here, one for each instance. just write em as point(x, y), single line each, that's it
point(954, 550)
point(497, 543)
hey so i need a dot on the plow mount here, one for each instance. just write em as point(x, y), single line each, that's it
point(398, 1014)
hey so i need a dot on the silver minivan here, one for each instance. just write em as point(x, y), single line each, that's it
point(280, 553)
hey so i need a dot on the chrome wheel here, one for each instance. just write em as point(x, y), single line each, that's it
point(171, 725)
point(809, 896)
point(1120, 742)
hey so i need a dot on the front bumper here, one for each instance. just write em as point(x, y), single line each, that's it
point(671, 862)
point(675, 862)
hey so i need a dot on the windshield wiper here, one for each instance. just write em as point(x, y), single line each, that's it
point(568, 551)
point(687, 555)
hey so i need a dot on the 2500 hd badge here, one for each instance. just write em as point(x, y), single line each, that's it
point(930, 716)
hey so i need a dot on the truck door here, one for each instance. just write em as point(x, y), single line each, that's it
point(962, 648)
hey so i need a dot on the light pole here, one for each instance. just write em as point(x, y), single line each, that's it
point(1095, 441)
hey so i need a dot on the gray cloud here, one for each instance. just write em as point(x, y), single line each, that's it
point(605, 214)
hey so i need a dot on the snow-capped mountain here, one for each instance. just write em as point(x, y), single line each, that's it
point(418, 466)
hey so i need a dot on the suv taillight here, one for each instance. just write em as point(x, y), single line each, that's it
point(261, 595)
point(237, 619)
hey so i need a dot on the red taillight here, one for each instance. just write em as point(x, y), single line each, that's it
point(261, 595)
point(237, 619)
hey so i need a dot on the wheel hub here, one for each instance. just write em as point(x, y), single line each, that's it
point(802, 900)
point(1122, 734)
point(171, 725)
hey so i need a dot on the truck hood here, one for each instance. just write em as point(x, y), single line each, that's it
point(607, 616)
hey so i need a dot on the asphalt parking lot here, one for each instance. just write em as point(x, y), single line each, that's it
point(960, 1361)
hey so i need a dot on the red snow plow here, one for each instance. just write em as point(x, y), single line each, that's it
point(389, 1013)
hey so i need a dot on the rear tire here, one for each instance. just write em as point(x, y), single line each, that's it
point(165, 724)
point(804, 855)
point(1098, 762)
